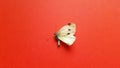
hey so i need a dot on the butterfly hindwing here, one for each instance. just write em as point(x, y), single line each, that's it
point(69, 40)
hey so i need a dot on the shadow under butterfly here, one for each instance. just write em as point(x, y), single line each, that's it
point(66, 34)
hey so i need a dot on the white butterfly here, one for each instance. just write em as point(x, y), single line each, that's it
point(66, 34)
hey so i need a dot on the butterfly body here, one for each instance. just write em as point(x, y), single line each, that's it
point(66, 34)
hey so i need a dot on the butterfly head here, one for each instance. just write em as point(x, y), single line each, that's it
point(55, 35)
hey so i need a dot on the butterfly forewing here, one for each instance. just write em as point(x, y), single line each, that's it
point(68, 29)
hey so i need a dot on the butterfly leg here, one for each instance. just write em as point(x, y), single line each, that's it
point(58, 43)
point(56, 37)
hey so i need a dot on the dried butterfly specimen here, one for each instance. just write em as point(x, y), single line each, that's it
point(66, 34)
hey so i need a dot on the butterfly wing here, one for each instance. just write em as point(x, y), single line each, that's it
point(69, 40)
point(65, 34)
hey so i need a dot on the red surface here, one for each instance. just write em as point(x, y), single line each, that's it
point(27, 28)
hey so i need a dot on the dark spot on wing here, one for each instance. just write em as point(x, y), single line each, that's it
point(69, 29)
point(68, 33)
point(69, 24)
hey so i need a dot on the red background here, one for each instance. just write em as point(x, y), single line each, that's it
point(27, 28)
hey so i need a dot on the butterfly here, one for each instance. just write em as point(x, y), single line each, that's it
point(66, 34)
